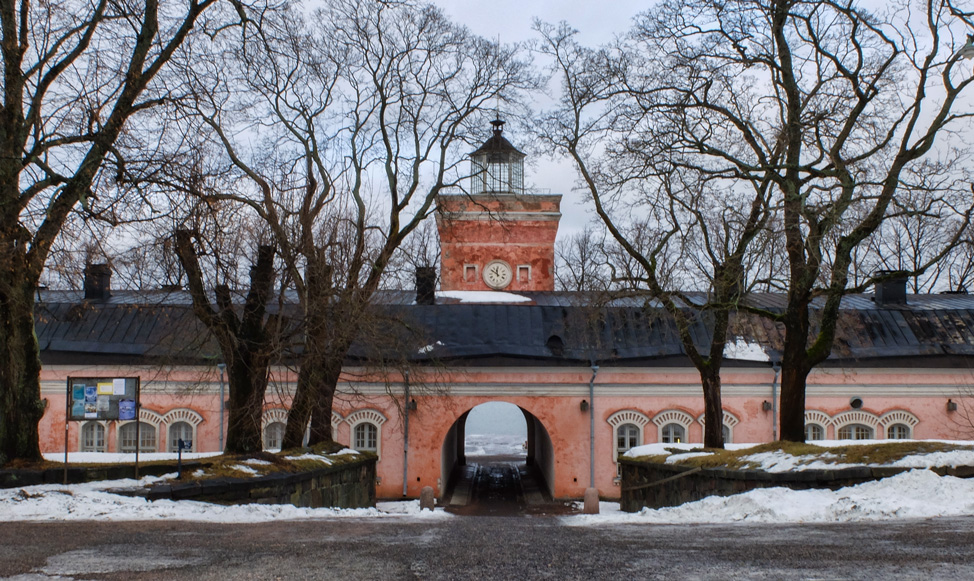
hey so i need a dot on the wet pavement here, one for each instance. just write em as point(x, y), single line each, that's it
point(461, 547)
point(501, 486)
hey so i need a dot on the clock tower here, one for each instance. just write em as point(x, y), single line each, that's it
point(497, 237)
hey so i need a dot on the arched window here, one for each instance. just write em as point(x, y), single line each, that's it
point(627, 436)
point(366, 437)
point(181, 431)
point(147, 438)
point(273, 435)
point(814, 432)
point(673, 434)
point(855, 432)
point(726, 433)
point(366, 430)
point(92, 437)
point(898, 432)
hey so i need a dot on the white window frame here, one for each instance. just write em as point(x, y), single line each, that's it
point(821, 418)
point(374, 417)
point(104, 436)
point(526, 269)
point(899, 426)
point(855, 432)
point(266, 431)
point(148, 417)
point(186, 416)
point(808, 426)
point(857, 418)
point(899, 417)
point(667, 417)
point(174, 442)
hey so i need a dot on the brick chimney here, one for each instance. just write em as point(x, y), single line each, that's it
point(98, 282)
point(425, 285)
point(891, 290)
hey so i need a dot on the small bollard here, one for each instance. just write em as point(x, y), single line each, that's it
point(426, 499)
point(591, 501)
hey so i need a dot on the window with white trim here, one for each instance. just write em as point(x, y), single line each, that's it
point(147, 437)
point(273, 435)
point(898, 432)
point(725, 432)
point(855, 432)
point(627, 436)
point(673, 434)
point(181, 431)
point(366, 437)
point(92, 437)
point(814, 432)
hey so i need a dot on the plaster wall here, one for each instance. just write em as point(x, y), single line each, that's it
point(553, 397)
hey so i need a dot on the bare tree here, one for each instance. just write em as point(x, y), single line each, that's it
point(74, 74)
point(341, 129)
point(841, 114)
point(582, 262)
point(249, 340)
point(680, 225)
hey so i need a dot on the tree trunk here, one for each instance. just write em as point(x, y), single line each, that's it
point(713, 436)
point(21, 407)
point(794, 375)
point(248, 381)
point(246, 343)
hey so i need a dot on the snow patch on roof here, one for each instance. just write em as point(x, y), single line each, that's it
point(742, 350)
point(482, 297)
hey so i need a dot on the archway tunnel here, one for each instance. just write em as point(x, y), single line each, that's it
point(497, 462)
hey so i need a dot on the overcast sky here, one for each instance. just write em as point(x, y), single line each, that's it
point(511, 21)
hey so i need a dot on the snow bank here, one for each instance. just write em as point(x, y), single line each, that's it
point(914, 494)
point(96, 501)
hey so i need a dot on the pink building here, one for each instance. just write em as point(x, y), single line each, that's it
point(587, 378)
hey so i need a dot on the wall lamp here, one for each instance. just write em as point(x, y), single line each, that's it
point(583, 406)
point(412, 405)
point(766, 405)
point(951, 405)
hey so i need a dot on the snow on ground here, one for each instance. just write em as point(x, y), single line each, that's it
point(779, 461)
point(915, 494)
point(97, 501)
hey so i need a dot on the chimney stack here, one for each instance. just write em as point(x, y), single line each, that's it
point(425, 285)
point(892, 290)
point(98, 282)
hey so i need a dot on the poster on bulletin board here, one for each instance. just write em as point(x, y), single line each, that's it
point(102, 398)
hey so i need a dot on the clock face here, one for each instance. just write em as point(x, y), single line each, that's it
point(498, 274)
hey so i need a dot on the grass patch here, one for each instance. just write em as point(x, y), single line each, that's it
point(876, 454)
point(264, 463)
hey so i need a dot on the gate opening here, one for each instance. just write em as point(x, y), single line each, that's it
point(497, 459)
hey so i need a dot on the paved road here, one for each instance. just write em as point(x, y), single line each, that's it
point(501, 486)
point(466, 547)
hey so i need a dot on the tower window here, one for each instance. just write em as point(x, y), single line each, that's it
point(469, 272)
point(524, 273)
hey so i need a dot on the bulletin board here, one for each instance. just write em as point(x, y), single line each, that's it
point(102, 398)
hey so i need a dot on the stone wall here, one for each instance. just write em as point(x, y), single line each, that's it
point(651, 485)
point(347, 485)
point(77, 474)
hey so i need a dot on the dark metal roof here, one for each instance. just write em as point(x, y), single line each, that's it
point(497, 143)
point(557, 328)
